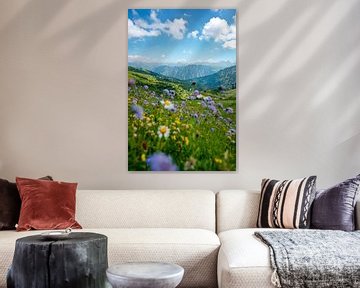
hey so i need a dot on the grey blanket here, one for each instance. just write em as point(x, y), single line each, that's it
point(314, 258)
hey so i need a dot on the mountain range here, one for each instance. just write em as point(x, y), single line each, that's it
point(222, 79)
point(185, 72)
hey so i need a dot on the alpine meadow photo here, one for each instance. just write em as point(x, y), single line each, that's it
point(182, 90)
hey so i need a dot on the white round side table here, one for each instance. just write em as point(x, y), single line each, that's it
point(145, 275)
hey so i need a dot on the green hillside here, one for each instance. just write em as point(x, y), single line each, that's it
point(225, 78)
point(177, 126)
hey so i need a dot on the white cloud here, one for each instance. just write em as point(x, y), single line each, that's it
point(175, 28)
point(194, 34)
point(231, 44)
point(219, 30)
point(135, 31)
point(138, 58)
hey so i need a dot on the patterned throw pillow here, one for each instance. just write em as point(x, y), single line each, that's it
point(286, 204)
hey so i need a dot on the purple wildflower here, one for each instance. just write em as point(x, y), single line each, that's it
point(195, 115)
point(131, 82)
point(134, 101)
point(192, 97)
point(146, 102)
point(161, 162)
point(208, 99)
point(212, 129)
point(229, 110)
point(213, 109)
point(203, 103)
point(138, 111)
point(196, 93)
point(172, 93)
point(167, 92)
point(146, 87)
point(183, 103)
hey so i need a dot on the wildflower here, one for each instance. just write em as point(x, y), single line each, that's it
point(212, 129)
point(183, 103)
point(196, 92)
point(220, 105)
point(186, 140)
point(134, 101)
point(146, 102)
point(218, 160)
point(143, 157)
point(172, 93)
point(138, 111)
point(161, 162)
point(203, 103)
point(213, 109)
point(192, 97)
point(163, 131)
point(231, 132)
point(229, 110)
point(208, 99)
point(146, 87)
point(195, 115)
point(131, 82)
point(190, 164)
point(199, 96)
point(167, 92)
point(168, 105)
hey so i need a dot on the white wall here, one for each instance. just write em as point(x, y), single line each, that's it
point(63, 92)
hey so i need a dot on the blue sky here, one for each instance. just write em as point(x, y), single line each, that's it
point(182, 35)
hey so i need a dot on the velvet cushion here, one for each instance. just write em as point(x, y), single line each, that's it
point(10, 204)
point(46, 204)
point(334, 208)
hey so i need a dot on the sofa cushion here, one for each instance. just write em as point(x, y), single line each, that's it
point(194, 249)
point(46, 204)
point(236, 209)
point(334, 208)
point(244, 261)
point(153, 209)
point(10, 204)
point(286, 204)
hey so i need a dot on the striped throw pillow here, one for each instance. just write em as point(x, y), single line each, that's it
point(286, 204)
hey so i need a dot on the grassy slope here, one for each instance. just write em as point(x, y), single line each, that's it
point(205, 139)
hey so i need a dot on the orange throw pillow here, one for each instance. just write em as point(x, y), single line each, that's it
point(46, 204)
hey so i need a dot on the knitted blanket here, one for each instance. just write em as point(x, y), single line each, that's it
point(313, 258)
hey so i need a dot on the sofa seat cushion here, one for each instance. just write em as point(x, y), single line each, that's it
point(244, 261)
point(194, 249)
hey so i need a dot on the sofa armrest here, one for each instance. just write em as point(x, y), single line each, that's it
point(357, 215)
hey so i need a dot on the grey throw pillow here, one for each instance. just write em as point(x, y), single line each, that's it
point(334, 208)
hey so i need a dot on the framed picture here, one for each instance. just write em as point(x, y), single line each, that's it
point(181, 89)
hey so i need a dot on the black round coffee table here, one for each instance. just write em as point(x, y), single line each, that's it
point(80, 261)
